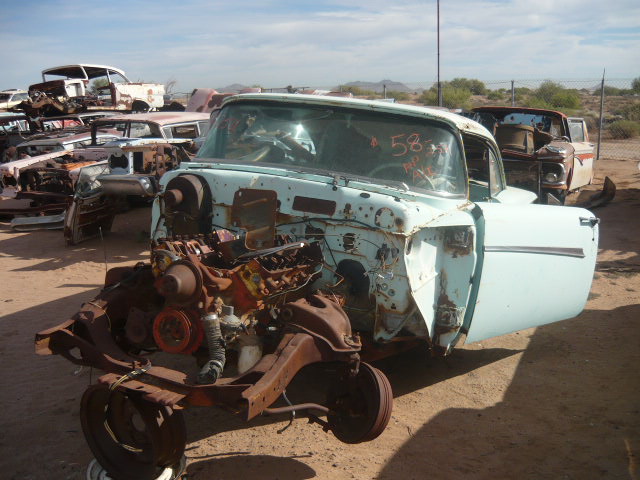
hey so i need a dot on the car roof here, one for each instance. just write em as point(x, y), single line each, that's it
point(73, 116)
point(161, 118)
point(508, 110)
point(92, 70)
point(61, 138)
point(454, 120)
point(12, 116)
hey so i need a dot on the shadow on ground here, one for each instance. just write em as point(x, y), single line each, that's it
point(236, 465)
point(128, 241)
point(572, 410)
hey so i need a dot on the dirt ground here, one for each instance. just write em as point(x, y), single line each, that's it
point(560, 401)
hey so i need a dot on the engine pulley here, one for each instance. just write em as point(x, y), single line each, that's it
point(177, 331)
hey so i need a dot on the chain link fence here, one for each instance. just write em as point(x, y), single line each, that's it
point(610, 107)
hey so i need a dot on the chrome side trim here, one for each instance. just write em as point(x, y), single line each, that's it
point(563, 251)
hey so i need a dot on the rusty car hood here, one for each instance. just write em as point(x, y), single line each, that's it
point(315, 195)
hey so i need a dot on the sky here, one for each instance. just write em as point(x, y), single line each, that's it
point(323, 43)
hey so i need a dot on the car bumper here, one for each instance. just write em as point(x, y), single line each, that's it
point(135, 185)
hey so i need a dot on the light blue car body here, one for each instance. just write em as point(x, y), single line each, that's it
point(437, 267)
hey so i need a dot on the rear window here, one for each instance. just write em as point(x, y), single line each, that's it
point(576, 131)
point(184, 131)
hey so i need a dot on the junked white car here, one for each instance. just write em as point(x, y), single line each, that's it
point(61, 151)
point(315, 230)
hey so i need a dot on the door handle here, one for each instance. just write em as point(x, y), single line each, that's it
point(591, 221)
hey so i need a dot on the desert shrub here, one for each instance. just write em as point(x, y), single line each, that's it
point(635, 85)
point(496, 95)
point(535, 102)
point(556, 96)
point(593, 123)
point(522, 91)
point(609, 91)
point(357, 91)
point(548, 89)
point(399, 96)
point(475, 86)
point(631, 112)
point(624, 129)
point(429, 97)
point(451, 97)
point(566, 99)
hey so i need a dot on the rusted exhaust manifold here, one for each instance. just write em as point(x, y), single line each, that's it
point(207, 267)
point(162, 306)
point(189, 277)
point(318, 331)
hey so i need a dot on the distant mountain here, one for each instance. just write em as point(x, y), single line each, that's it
point(235, 87)
point(378, 87)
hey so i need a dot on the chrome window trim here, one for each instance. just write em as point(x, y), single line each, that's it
point(562, 251)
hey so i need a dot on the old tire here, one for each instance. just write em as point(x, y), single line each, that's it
point(146, 438)
point(138, 106)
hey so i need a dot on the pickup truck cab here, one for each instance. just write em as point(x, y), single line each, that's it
point(325, 230)
point(81, 87)
point(543, 150)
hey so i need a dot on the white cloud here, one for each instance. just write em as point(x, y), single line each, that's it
point(274, 43)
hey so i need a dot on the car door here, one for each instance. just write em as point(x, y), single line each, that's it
point(91, 213)
point(536, 264)
point(583, 155)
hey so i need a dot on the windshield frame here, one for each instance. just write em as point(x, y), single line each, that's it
point(362, 114)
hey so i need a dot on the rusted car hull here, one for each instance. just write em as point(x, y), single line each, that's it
point(35, 203)
point(163, 307)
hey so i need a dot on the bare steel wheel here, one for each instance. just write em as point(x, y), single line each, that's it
point(133, 439)
point(360, 407)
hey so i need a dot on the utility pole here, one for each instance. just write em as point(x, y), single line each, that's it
point(601, 114)
point(439, 84)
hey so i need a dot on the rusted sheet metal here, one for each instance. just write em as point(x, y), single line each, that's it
point(41, 222)
point(88, 217)
point(205, 100)
point(35, 203)
point(544, 151)
point(255, 212)
point(125, 95)
point(191, 279)
point(601, 198)
point(314, 205)
point(136, 167)
point(73, 95)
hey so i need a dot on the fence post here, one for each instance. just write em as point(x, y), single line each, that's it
point(384, 90)
point(513, 94)
point(439, 83)
point(601, 115)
